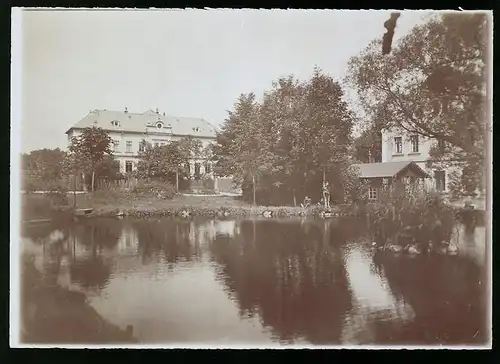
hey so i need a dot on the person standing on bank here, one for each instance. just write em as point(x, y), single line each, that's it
point(326, 194)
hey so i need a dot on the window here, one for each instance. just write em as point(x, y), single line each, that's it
point(159, 125)
point(128, 146)
point(440, 178)
point(128, 166)
point(414, 143)
point(197, 170)
point(142, 146)
point(115, 123)
point(207, 167)
point(398, 143)
point(157, 145)
point(162, 144)
point(372, 193)
point(116, 145)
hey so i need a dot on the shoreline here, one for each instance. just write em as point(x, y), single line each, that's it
point(204, 206)
point(216, 211)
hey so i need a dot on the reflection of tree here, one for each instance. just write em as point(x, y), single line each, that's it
point(295, 281)
point(92, 271)
point(169, 238)
point(444, 292)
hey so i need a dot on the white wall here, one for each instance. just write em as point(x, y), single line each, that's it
point(420, 158)
point(122, 155)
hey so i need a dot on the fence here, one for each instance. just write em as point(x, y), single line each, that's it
point(124, 184)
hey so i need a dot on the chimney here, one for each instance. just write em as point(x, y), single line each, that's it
point(126, 110)
point(157, 110)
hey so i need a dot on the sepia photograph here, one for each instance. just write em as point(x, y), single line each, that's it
point(243, 178)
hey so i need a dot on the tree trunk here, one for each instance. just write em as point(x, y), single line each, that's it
point(74, 190)
point(253, 187)
point(294, 199)
point(93, 176)
point(177, 180)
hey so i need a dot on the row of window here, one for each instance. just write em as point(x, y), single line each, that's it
point(398, 143)
point(197, 167)
point(128, 146)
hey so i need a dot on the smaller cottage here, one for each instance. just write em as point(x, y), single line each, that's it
point(389, 174)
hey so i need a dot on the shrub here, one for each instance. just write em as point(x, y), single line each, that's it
point(158, 189)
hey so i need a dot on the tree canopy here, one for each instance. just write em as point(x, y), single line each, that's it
point(433, 83)
point(167, 161)
point(87, 150)
point(283, 144)
point(44, 164)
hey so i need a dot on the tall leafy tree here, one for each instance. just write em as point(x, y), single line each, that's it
point(44, 165)
point(170, 161)
point(284, 146)
point(368, 146)
point(239, 146)
point(433, 84)
point(88, 149)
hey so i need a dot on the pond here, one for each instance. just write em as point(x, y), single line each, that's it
point(261, 282)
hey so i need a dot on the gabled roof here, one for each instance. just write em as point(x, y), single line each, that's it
point(388, 169)
point(136, 122)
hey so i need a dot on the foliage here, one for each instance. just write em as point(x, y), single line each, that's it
point(433, 84)
point(91, 146)
point(42, 168)
point(157, 189)
point(87, 150)
point(108, 169)
point(284, 142)
point(164, 162)
point(368, 146)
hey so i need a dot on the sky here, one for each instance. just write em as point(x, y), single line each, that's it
point(192, 63)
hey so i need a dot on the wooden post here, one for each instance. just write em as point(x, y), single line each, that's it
point(253, 186)
point(74, 190)
point(294, 199)
point(177, 179)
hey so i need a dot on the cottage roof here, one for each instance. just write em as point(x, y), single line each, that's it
point(138, 122)
point(388, 169)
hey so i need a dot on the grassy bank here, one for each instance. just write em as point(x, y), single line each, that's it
point(111, 205)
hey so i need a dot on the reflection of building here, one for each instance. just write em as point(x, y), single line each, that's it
point(128, 130)
point(226, 227)
point(373, 302)
point(128, 242)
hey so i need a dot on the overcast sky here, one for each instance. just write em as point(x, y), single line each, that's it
point(186, 63)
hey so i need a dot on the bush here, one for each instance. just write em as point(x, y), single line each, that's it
point(158, 189)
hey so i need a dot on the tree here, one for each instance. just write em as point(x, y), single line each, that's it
point(284, 146)
point(432, 84)
point(238, 147)
point(368, 146)
point(108, 168)
point(44, 165)
point(88, 149)
point(169, 161)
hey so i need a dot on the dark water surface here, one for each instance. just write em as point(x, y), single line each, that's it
point(264, 282)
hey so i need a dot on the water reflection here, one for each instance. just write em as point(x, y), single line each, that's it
point(248, 281)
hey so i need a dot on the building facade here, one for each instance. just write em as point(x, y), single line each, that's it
point(128, 131)
point(399, 146)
